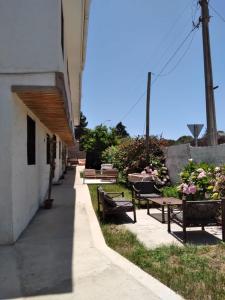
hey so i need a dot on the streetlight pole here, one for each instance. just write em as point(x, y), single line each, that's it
point(209, 89)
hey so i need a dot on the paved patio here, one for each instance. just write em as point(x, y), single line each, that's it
point(153, 233)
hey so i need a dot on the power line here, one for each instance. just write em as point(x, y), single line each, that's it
point(174, 54)
point(217, 13)
point(162, 41)
point(181, 58)
point(162, 69)
point(133, 106)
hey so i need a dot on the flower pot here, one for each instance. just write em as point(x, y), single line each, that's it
point(48, 203)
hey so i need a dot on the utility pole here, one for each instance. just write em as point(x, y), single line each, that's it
point(209, 89)
point(147, 115)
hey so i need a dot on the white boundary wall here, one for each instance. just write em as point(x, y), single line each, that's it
point(177, 157)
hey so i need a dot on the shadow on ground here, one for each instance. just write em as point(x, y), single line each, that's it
point(198, 237)
point(40, 262)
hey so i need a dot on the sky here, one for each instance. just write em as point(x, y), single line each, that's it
point(129, 38)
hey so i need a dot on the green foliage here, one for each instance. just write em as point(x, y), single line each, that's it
point(130, 155)
point(170, 191)
point(202, 180)
point(80, 130)
point(94, 142)
point(120, 130)
point(185, 139)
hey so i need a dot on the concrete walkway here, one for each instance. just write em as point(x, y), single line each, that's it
point(63, 255)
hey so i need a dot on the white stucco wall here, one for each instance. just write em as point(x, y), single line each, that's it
point(30, 32)
point(22, 186)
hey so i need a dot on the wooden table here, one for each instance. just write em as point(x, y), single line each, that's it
point(162, 202)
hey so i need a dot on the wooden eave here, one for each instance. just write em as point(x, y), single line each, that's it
point(48, 104)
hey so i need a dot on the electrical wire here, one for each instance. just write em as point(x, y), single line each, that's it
point(162, 69)
point(217, 13)
point(162, 41)
point(174, 54)
point(181, 58)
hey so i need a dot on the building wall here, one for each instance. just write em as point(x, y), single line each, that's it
point(30, 32)
point(23, 187)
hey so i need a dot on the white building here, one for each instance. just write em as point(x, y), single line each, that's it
point(42, 56)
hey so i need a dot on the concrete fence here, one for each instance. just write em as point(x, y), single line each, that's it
point(177, 157)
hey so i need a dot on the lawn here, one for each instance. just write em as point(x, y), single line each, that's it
point(195, 272)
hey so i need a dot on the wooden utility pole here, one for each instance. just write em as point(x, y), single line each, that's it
point(209, 91)
point(147, 115)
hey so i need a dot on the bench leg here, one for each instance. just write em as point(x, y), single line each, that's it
point(163, 214)
point(169, 226)
point(148, 208)
point(184, 234)
point(135, 218)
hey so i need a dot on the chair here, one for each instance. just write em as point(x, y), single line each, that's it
point(114, 203)
point(143, 190)
point(197, 214)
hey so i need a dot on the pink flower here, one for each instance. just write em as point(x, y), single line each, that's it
point(201, 175)
point(186, 189)
point(192, 189)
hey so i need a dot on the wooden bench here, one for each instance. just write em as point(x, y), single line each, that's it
point(197, 214)
point(106, 174)
point(114, 203)
point(89, 174)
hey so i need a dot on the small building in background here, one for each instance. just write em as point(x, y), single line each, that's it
point(42, 56)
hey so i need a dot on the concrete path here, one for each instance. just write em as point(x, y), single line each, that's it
point(63, 255)
point(153, 233)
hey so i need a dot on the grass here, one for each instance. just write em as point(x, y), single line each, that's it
point(195, 272)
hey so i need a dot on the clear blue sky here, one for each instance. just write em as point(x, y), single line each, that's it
point(128, 38)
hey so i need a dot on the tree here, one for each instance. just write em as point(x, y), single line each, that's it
point(120, 130)
point(94, 142)
point(80, 130)
point(185, 139)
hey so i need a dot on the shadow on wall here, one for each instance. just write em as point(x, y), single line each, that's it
point(40, 262)
point(177, 157)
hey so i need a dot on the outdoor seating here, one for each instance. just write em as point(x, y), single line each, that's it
point(89, 174)
point(197, 214)
point(114, 203)
point(143, 190)
point(109, 174)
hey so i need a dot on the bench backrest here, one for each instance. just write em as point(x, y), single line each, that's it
point(89, 173)
point(110, 172)
point(146, 187)
point(201, 210)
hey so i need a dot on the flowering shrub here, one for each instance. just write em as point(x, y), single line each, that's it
point(202, 181)
point(158, 172)
point(130, 156)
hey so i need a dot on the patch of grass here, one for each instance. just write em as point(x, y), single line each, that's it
point(195, 272)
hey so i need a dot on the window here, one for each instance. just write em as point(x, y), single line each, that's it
point(48, 149)
point(31, 141)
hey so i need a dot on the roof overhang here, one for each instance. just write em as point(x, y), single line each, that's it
point(48, 103)
point(76, 16)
